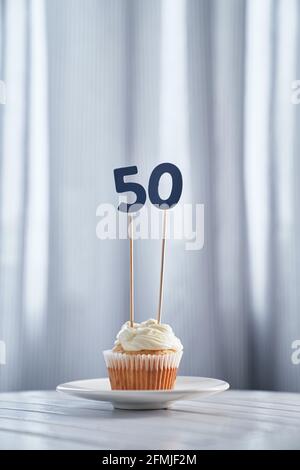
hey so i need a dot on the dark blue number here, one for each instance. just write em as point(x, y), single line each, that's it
point(123, 187)
point(177, 184)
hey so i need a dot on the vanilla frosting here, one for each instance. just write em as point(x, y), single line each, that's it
point(148, 335)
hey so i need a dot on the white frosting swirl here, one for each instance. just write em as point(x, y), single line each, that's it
point(148, 335)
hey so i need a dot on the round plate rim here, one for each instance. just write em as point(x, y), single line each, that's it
point(67, 387)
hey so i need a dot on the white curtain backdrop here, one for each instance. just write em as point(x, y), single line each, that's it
point(24, 192)
point(97, 84)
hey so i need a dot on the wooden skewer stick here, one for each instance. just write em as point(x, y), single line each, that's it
point(130, 223)
point(162, 266)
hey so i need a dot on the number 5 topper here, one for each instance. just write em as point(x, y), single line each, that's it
point(153, 191)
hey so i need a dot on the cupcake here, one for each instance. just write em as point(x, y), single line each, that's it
point(145, 356)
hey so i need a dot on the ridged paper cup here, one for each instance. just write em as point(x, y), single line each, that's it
point(142, 371)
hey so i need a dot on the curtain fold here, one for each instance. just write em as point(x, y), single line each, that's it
point(24, 191)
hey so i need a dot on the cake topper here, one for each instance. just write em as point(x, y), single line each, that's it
point(140, 199)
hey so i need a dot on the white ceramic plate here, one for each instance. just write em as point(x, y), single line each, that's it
point(185, 387)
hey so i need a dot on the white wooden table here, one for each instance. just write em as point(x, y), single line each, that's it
point(231, 420)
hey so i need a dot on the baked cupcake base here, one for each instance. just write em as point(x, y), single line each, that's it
point(142, 371)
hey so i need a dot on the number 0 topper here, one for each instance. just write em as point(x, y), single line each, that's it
point(164, 204)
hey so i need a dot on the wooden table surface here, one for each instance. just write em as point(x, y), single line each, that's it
point(231, 420)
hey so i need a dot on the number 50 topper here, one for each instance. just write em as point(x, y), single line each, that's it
point(153, 187)
point(140, 193)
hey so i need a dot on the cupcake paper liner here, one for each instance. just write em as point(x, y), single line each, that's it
point(142, 371)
